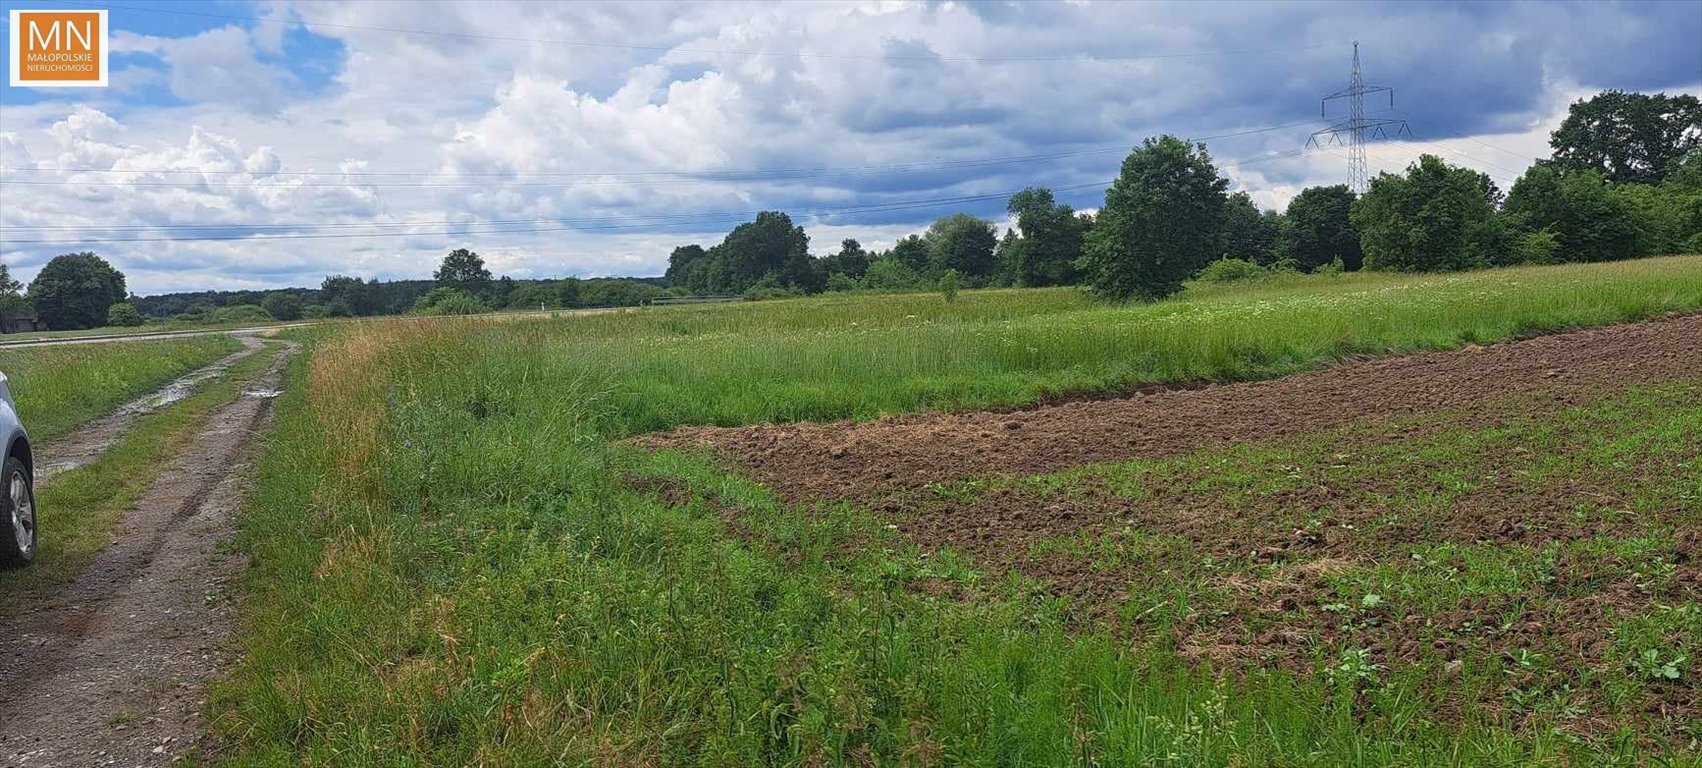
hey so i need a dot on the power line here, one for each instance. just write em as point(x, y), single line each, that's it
point(1475, 140)
point(1434, 145)
point(604, 176)
point(1358, 127)
point(628, 223)
point(585, 224)
point(717, 52)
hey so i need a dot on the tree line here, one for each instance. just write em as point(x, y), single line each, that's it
point(1625, 180)
point(77, 291)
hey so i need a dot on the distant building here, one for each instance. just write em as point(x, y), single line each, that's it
point(23, 320)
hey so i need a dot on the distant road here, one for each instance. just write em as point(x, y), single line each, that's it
point(250, 330)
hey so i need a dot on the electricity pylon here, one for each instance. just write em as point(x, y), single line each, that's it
point(1357, 128)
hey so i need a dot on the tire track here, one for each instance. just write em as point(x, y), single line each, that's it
point(111, 668)
point(87, 442)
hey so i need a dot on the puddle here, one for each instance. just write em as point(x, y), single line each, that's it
point(262, 393)
point(45, 471)
point(171, 393)
point(89, 441)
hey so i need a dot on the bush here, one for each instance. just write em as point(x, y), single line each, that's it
point(241, 313)
point(1538, 247)
point(766, 289)
point(1227, 270)
point(889, 273)
point(949, 284)
point(282, 305)
point(840, 282)
point(447, 301)
point(123, 315)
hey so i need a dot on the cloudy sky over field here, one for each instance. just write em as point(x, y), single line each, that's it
point(368, 138)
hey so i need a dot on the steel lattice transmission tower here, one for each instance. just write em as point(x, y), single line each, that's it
point(1357, 128)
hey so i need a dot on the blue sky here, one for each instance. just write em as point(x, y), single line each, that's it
point(591, 138)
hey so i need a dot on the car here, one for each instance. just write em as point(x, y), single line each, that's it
point(17, 496)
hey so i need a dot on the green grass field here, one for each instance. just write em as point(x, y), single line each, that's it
point(457, 561)
point(58, 387)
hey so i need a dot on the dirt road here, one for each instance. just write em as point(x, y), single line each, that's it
point(111, 667)
point(89, 441)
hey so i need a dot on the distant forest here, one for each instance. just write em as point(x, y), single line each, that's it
point(341, 296)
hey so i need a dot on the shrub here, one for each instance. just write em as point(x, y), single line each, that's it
point(949, 284)
point(840, 282)
point(1227, 270)
point(241, 313)
point(282, 305)
point(447, 301)
point(123, 315)
point(1537, 247)
point(889, 273)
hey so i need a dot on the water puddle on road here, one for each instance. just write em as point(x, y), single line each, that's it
point(88, 442)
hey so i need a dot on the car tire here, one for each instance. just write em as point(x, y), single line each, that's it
point(17, 515)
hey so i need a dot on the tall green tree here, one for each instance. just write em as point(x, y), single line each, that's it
point(1435, 217)
point(1589, 222)
point(349, 296)
point(912, 252)
point(1317, 229)
point(680, 262)
point(465, 271)
point(1159, 224)
point(1050, 243)
point(75, 290)
point(12, 303)
point(962, 242)
point(771, 244)
point(1628, 137)
point(851, 260)
point(1246, 232)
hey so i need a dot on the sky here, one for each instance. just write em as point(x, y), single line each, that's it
point(301, 139)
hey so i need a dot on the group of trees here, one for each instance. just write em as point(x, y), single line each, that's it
point(72, 291)
point(82, 290)
point(770, 255)
point(1625, 181)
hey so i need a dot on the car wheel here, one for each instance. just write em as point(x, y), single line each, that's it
point(17, 503)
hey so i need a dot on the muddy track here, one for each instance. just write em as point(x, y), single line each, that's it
point(111, 667)
point(89, 441)
point(870, 461)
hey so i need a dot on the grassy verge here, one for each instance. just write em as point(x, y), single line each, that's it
point(57, 388)
point(78, 508)
point(451, 566)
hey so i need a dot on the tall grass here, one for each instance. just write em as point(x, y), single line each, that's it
point(453, 566)
point(58, 387)
point(860, 356)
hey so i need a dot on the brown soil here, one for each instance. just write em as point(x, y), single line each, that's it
point(1355, 433)
point(871, 460)
point(89, 441)
point(111, 667)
